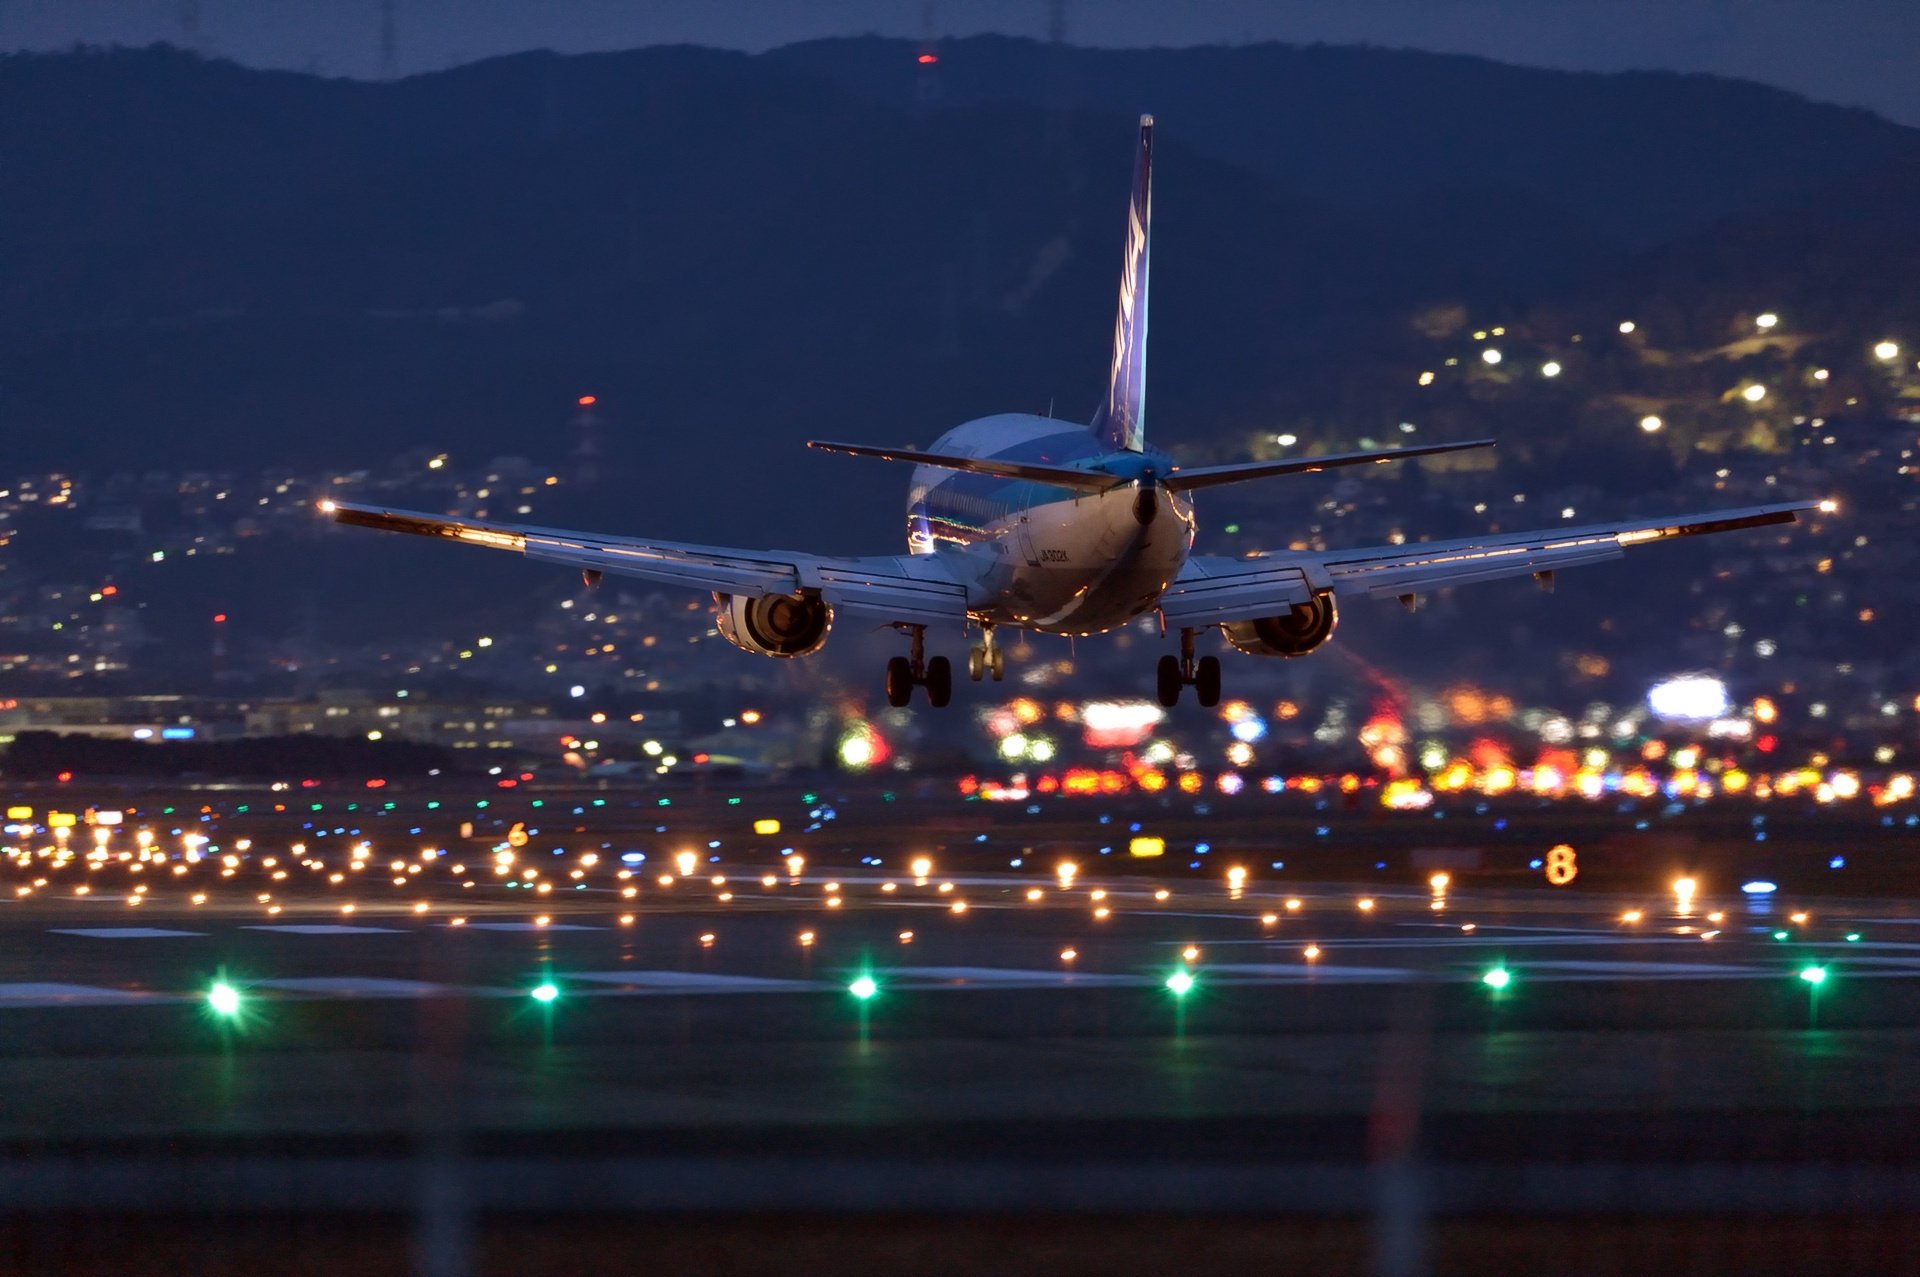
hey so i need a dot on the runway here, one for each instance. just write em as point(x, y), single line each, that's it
point(905, 1025)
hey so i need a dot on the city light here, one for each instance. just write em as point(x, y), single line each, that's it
point(1490, 355)
point(1886, 351)
point(1550, 369)
point(1766, 321)
point(1651, 424)
point(1689, 697)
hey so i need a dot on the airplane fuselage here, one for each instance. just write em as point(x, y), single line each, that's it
point(1043, 557)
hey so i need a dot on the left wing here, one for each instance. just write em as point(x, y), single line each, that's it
point(1216, 590)
point(909, 588)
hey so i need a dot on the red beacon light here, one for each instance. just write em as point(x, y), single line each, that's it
point(928, 59)
point(588, 401)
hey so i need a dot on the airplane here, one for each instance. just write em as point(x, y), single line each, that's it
point(1026, 522)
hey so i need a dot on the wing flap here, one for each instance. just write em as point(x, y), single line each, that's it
point(1216, 591)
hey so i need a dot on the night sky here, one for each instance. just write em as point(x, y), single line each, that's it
point(1857, 52)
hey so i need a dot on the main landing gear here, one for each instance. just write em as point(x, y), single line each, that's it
point(1202, 675)
point(985, 657)
point(904, 673)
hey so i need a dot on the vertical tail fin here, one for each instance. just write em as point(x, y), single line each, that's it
point(1121, 422)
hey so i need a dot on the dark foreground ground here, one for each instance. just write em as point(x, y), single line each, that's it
point(1657, 1087)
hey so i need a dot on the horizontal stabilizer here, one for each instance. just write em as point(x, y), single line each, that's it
point(1207, 476)
point(1062, 476)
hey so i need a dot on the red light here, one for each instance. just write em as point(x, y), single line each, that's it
point(928, 59)
point(506, 782)
point(1767, 744)
point(588, 401)
point(376, 784)
point(701, 758)
point(64, 777)
point(219, 618)
point(526, 775)
point(109, 590)
point(309, 784)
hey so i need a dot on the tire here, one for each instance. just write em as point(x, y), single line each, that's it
point(939, 682)
point(1168, 681)
point(1206, 681)
point(899, 681)
point(997, 662)
point(976, 664)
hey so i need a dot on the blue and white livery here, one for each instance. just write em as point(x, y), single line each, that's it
point(1039, 524)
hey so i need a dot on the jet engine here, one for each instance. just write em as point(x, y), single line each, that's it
point(783, 625)
point(1295, 633)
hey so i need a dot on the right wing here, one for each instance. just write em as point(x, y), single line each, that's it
point(1216, 590)
point(914, 589)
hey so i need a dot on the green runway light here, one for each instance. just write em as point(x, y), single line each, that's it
point(546, 991)
point(1813, 975)
point(1498, 978)
point(863, 988)
point(224, 999)
point(1779, 935)
point(1853, 937)
point(1181, 982)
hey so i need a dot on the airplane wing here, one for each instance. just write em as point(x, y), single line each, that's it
point(908, 588)
point(1216, 590)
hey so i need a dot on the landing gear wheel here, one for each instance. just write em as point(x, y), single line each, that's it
point(939, 682)
point(976, 664)
point(1206, 681)
point(997, 662)
point(1169, 681)
point(899, 681)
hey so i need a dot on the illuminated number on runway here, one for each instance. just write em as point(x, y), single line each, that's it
point(1562, 867)
point(517, 836)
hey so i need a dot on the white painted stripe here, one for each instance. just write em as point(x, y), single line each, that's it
point(1008, 977)
point(122, 933)
point(357, 986)
point(44, 994)
point(693, 981)
point(322, 929)
point(1304, 970)
point(527, 926)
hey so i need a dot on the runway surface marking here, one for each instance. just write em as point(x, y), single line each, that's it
point(122, 933)
point(530, 926)
point(322, 929)
point(45, 993)
point(362, 987)
point(693, 981)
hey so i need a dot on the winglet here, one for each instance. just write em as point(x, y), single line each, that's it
point(1121, 422)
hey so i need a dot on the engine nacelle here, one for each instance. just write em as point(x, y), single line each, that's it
point(1296, 633)
point(783, 625)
